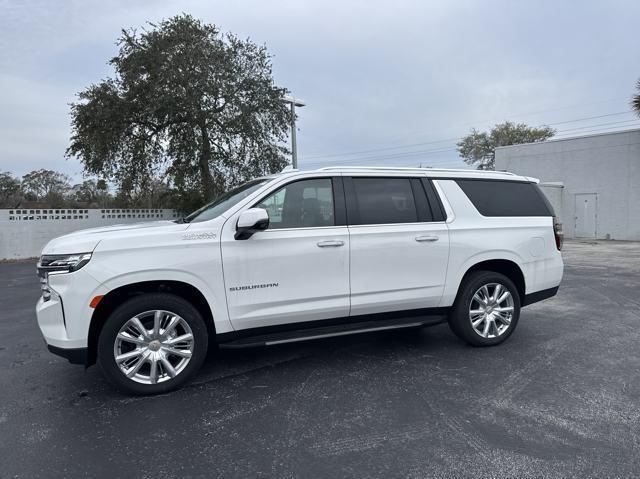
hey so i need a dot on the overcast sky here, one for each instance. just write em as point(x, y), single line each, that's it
point(378, 77)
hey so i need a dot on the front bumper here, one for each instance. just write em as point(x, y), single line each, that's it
point(52, 323)
point(74, 356)
point(65, 317)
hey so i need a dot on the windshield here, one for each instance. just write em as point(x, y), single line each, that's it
point(224, 202)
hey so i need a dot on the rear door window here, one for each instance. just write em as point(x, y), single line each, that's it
point(383, 201)
point(506, 198)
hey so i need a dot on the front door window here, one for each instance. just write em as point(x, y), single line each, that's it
point(302, 204)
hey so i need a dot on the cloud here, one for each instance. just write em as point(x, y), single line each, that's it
point(374, 74)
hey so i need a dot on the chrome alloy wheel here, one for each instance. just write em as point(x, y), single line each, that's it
point(153, 347)
point(491, 310)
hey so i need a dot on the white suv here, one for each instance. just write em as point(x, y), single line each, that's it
point(298, 256)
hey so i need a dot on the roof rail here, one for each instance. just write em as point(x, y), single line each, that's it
point(391, 168)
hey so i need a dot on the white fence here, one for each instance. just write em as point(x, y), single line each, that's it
point(24, 232)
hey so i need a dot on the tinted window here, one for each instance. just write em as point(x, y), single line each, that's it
point(383, 201)
point(434, 201)
point(505, 198)
point(302, 204)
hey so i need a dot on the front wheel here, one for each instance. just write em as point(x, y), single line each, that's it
point(486, 310)
point(152, 344)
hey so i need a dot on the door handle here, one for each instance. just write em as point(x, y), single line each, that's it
point(330, 244)
point(421, 239)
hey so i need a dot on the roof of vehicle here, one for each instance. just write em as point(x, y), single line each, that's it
point(430, 172)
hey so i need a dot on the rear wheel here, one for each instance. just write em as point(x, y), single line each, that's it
point(486, 310)
point(152, 343)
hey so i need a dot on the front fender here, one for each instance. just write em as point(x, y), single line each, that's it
point(216, 303)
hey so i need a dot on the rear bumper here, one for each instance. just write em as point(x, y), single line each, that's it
point(74, 356)
point(539, 296)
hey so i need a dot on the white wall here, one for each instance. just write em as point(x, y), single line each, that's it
point(24, 232)
point(606, 164)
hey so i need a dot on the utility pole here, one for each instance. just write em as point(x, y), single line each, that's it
point(294, 102)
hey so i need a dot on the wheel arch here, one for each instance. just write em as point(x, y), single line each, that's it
point(503, 266)
point(117, 296)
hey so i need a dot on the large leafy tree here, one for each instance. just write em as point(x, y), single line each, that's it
point(188, 106)
point(46, 185)
point(635, 101)
point(478, 148)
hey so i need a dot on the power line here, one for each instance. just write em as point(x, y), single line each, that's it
point(564, 152)
point(591, 118)
point(420, 153)
point(382, 149)
point(482, 122)
point(611, 129)
point(374, 150)
point(595, 131)
point(601, 124)
point(407, 154)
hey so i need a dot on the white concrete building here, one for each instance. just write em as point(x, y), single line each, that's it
point(592, 181)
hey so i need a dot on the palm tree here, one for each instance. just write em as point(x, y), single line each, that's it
point(635, 101)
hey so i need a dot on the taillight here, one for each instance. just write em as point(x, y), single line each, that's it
point(557, 232)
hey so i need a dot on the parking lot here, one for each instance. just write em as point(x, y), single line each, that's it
point(560, 398)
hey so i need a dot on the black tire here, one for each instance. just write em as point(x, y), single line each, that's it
point(459, 319)
point(137, 306)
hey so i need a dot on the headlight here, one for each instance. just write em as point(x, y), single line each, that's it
point(66, 263)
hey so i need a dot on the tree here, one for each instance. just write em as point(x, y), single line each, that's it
point(87, 193)
point(635, 101)
point(46, 185)
point(478, 148)
point(188, 106)
point(104, 197)
point(10, 194)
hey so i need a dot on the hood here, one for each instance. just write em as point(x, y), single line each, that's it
point(85, 241)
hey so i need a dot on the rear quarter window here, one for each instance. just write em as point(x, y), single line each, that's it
point(506, 198)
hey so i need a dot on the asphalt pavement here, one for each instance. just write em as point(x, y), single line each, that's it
point(559, 399)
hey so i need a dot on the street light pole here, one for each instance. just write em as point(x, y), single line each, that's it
point(294, 145)
point(294, 102)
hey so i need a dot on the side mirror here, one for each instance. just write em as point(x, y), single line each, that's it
point(251, 221)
